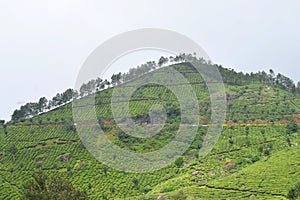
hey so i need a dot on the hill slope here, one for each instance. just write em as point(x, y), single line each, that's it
point(254, 139)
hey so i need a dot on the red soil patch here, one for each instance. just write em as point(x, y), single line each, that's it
point(292, 115)
point(106, 122)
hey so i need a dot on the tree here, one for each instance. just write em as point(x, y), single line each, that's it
point(25, 111)
point(5, 129)
point(91, 86)
point(67, 95)
point(271, 76)
point(83, 89)
point(12, 149)
point(2, 122)
point(294, 193)
point(75, 94)
point(112, 189)
point(115, 79)
point(106, 82)
point(135, 182)
point(105, 170)
point(57, 100)
point(53, 187)
point(292, 127)
point(162, 61)
point(288, 140)
point(98, 84)
point(42, 104)
point(179, 161)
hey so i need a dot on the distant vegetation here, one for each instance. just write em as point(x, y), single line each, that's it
point(229, 76)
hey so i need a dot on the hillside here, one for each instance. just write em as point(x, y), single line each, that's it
point(252, 158)
point(269, 178)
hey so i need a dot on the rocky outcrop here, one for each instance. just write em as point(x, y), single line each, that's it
point(65, 158)
point(230, 166)
point(161, 197)
point(196, 173)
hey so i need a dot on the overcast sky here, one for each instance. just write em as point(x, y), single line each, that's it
point(44, 43)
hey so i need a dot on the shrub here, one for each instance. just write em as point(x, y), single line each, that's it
point(12, 149)
point(54, 187)
point(179, 161)
point(179, 196)
point(294, 193)
point(291, 127)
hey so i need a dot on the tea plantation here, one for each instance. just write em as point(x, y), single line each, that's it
point(255, 157)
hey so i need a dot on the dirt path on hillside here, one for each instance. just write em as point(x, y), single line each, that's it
point(241, 190)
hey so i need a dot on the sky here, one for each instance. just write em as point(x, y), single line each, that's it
point(44, 43)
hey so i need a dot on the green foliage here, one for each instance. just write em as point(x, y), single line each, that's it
point(243, 159)
point(135, 182)
point(294, 193)
point(54, 187)
point(2, 122)
point(12, 149)
point(292, 127)
point(180, 195)
point(179, 162)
